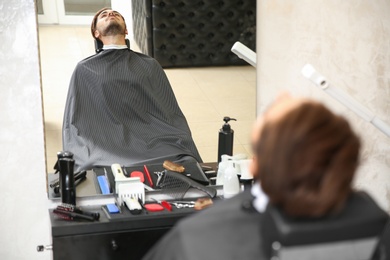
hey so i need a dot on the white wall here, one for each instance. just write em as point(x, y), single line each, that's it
point(24, 219)
point(349, 43)
point(124, 7)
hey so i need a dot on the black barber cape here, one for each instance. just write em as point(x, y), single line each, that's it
point(228, 230)
point(121, 109)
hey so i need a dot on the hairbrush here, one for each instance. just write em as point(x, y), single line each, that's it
point(71, 212)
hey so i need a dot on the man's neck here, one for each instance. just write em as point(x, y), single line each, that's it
point(113, 40)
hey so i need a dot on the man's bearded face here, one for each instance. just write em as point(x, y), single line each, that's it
point(113, 28)
point(111, 23)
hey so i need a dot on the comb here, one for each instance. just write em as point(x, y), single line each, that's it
point(176, 185)
point(127, 187)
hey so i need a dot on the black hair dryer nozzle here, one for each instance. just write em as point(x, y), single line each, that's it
point(67, 185)
point(62, 154)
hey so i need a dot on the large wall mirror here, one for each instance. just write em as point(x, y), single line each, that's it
point(205, 94)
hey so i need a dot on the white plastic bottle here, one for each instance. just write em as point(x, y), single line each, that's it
point(231, 185)
point(221, 169)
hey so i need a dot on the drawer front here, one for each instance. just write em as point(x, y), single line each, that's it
point(101, 246)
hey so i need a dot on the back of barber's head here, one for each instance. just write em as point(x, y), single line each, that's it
point(306, 159)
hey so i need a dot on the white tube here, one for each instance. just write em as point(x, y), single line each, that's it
point(378, 123)
point(351, 103)
point(344, 98)
point(244, 53)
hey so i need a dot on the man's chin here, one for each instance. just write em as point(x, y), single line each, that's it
point(114, 28)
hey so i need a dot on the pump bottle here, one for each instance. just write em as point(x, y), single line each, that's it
point(225, 139)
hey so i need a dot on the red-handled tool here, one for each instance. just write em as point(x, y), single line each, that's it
point(165, 204)
point(148, 176)
point(138, 174)
point(153, 207)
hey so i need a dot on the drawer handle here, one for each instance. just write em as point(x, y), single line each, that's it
point(114, 245)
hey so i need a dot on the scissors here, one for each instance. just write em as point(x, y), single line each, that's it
point(159, 176)
point(183, 204)
point(164, 203)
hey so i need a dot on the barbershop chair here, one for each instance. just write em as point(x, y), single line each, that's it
point(354, 233)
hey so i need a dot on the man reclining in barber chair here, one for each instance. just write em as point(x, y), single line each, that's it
point(120, 106)
point(304, 162)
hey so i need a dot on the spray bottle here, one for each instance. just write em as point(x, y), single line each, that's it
point(225, 140)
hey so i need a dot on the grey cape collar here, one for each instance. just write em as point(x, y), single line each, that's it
point(114, 47)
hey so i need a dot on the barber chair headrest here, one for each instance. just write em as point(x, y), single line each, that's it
point(361, 218)
point(99, 45)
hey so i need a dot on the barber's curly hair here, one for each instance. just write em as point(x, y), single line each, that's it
point(95, 18)
point(307, 160)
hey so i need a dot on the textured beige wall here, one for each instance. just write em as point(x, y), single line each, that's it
point(349, 43)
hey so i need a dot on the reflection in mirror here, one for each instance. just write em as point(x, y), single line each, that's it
point(205, 94)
